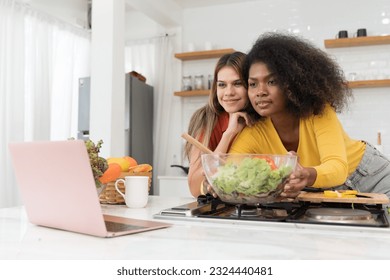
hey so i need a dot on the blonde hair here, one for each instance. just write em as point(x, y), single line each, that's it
point(203, 121)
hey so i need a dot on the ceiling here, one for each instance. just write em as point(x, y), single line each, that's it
point(168, 13)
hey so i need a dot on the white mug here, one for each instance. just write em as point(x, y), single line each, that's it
point(136, 190)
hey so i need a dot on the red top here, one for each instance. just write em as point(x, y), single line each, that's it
point(219, 129)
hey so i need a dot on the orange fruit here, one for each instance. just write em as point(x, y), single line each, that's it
point(123, 163)
point(131, 161)
point(141, 168)
point(111, 174)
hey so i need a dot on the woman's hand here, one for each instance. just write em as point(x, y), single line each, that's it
point(208, 189)
point(299, 178)
point(237, 121)
point(296, 182)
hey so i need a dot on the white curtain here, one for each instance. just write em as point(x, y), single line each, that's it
point(41, 59)
point(153, 58)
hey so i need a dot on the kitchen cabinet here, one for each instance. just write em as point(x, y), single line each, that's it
point(356, 42)
point(173, 186)
point(198, 55)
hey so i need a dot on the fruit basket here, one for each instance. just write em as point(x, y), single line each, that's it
point(110, 195)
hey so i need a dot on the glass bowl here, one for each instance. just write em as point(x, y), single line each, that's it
point(248, 178)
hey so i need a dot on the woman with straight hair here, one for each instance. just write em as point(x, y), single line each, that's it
point(217, 123)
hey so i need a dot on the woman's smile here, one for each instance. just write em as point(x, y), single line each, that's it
point(263, 103)
point(229, 101)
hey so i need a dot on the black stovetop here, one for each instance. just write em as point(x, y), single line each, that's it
point(370, 215)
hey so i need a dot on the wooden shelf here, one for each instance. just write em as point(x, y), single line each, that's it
point(357, 41)
point(197, 56)
point(192, 93)
point(369, 83)
point(203, 54)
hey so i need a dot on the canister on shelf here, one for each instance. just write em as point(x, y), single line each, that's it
point(210, 81)
point(187, 83)
point(198, 82)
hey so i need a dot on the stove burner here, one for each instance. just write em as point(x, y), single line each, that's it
point(204, 199)
point(243, 210)
point(339, 215)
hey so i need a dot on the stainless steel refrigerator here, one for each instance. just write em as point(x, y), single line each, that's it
point(138, 118)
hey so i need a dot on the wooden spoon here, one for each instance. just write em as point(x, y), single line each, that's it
point(196, 143)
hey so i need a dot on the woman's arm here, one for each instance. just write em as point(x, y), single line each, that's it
point(195, 173)
point(237, 122)
point(329, 138)
point(326, 144)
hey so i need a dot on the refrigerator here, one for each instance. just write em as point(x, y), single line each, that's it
point(138, 117)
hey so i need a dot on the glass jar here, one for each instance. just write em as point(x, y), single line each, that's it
point(210, 81)
point(186, 83)
point(198, 82)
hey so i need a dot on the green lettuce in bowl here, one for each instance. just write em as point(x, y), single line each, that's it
point(248, 178)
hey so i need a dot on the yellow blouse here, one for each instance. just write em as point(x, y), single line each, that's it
point(323, 145)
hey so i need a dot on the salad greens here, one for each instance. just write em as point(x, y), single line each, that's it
point(249, 177)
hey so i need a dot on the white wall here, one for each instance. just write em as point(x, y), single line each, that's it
point(139, 26)
point(238, 25)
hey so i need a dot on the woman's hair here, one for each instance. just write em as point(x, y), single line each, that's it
point(309, 78)
point(204, 119)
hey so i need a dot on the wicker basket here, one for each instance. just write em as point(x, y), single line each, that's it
point(110, 195)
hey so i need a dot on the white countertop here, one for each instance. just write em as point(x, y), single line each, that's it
point(197, 240)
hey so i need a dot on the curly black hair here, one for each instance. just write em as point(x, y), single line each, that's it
point(308, 76)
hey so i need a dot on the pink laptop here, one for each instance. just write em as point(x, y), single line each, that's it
point(58, 190)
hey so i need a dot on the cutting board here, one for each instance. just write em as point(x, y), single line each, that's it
point(317, 197)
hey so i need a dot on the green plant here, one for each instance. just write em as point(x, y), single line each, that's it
point(98, 164)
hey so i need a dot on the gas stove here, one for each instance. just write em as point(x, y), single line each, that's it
point(329, 213)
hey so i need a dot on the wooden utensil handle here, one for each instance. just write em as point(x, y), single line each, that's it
point(196, 143)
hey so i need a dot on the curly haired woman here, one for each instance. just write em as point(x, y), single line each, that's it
point(218, 122)
point(298, 91)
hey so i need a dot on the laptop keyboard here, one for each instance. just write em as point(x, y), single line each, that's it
point(118, 227)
